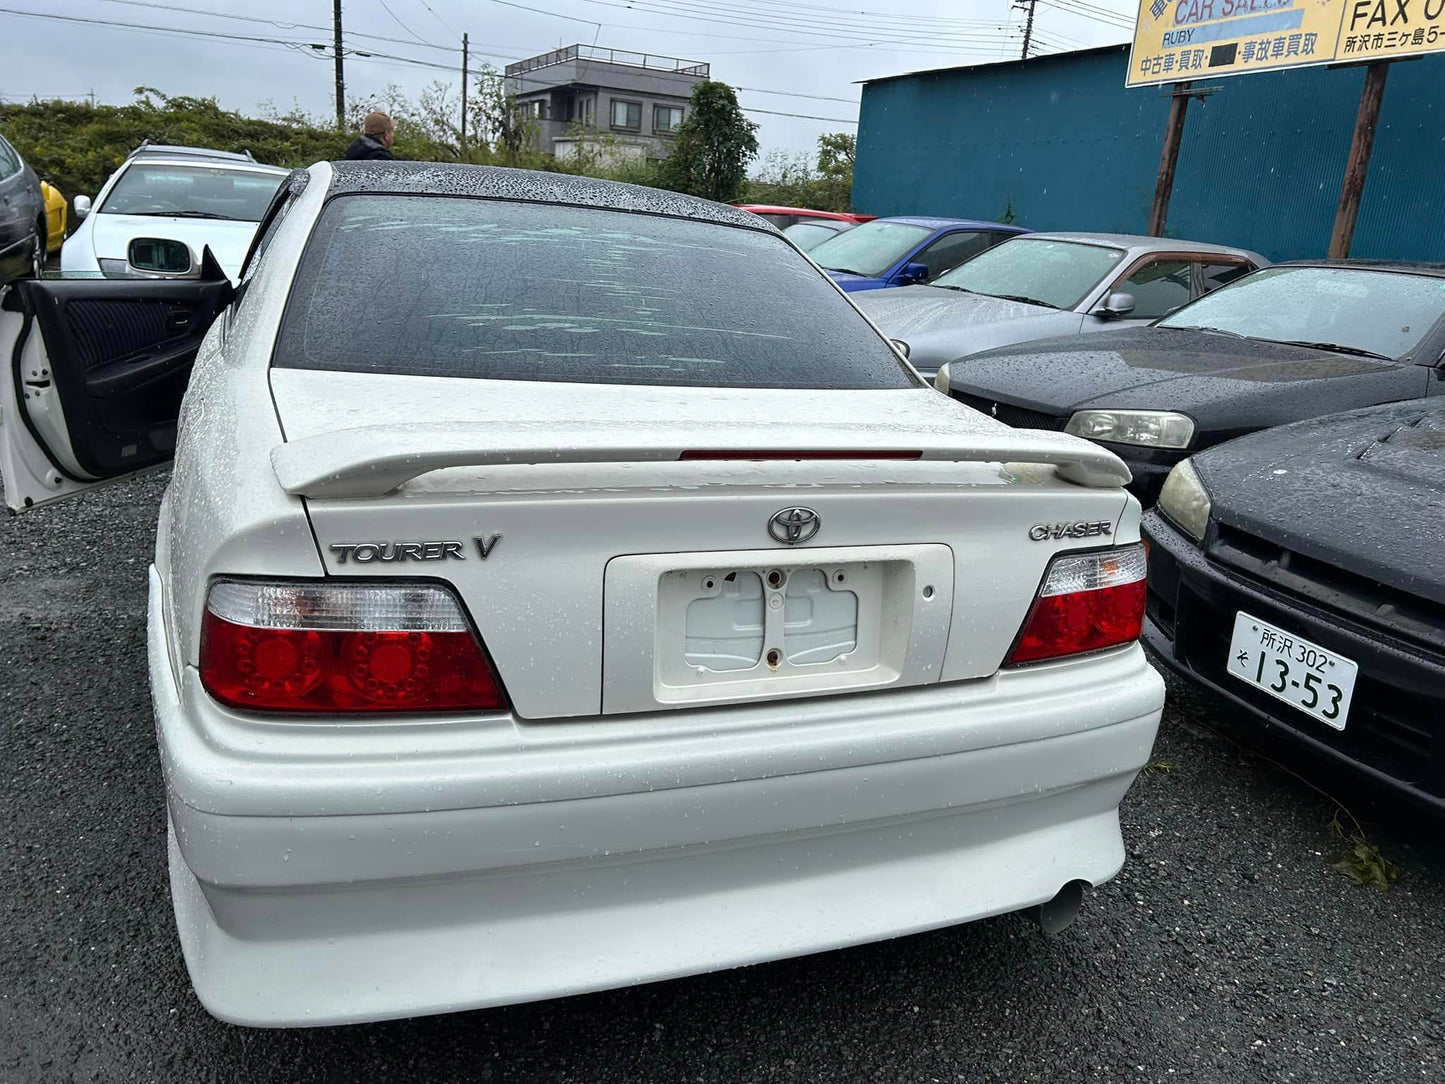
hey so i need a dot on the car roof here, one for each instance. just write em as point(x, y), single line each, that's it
point(1410, 267)
point(153, 152)
point(929, 222)
point(1139, 242)
point(778, 209)
point(531, 186)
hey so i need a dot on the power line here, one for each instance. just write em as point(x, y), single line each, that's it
point(540, 11)
point(1089, 11)
point(277, 23)
point(445, 25)
point(795, 94)
point(772, 7)
point(801, 116)
point(397, 19)
point(911, 39)
point(318, 51)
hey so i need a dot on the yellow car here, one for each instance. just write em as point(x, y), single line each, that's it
point(54, 217)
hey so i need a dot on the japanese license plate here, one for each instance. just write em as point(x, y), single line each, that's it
point(1303, 675)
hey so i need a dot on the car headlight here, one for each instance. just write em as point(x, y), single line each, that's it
point(1185, 500)
point(940, 378)
point(1146, 428)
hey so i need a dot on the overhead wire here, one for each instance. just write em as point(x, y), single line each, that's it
point(397, 19)
point(676, 9)
point(445, 25)
point(311, 49)
point(279, 24)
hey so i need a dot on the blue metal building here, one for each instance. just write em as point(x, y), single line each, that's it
point(1062, 144)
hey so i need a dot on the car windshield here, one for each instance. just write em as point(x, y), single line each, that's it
point(871, 249)
point(193, 192)
point(1359, 310)
point(451, 286)
point(1057, 274)
point(808, 235)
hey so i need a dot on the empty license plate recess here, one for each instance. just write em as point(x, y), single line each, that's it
point(724, 627)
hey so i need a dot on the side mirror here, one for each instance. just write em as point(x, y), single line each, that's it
point(900, 346)
point(1116, 307)
point(159, 256)
point(912, 273)
point(82, 206)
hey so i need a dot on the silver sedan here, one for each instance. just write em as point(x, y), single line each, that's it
point(1044, 285)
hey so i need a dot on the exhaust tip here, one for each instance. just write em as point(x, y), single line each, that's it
point(1058, 914)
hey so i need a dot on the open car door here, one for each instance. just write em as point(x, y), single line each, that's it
point(94, 372)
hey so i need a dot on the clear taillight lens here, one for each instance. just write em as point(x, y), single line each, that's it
point(332, 648)
point(1089, 601)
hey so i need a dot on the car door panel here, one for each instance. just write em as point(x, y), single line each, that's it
point(97, 371)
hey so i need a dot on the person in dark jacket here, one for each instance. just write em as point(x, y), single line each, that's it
point(374, 143)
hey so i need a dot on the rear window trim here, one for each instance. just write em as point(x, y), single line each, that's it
point(761, 226)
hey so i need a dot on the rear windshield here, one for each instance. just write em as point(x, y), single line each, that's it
point(451, 286)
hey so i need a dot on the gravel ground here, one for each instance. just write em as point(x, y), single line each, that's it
point(1228, 950)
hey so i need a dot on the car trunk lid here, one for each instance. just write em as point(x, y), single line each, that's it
point(626, 549)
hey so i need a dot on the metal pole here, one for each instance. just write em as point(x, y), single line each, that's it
point(1028, 26)
point(1358, 167)
point(340, 74)
point(464, 97)
point(1169, 159)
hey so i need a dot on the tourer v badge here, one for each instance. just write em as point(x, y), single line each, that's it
point(362, 553)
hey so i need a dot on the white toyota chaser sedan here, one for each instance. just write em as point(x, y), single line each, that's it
point(561, 585)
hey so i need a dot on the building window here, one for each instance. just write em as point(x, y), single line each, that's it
point(626, 114)
point(666, 119)
point(534, 110)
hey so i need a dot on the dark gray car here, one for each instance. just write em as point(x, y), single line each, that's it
point(22, 217)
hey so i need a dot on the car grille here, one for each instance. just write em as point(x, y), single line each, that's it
point(1016, 416)
point(1389, 609)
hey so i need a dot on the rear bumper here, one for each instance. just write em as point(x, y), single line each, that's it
point(1396, 729)
point(396, 875)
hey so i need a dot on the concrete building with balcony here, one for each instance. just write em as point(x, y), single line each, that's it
point(618, 105)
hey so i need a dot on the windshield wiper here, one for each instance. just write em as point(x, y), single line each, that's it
point(181, 214)
point(1205, 327)
point(1025, 300)
point(848, 271)
point(950, 286)
point(1336, 348)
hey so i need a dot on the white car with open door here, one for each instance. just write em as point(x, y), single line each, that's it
point(561, 585)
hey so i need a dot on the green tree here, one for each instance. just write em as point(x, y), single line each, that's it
point(792, 180)
point(714, 146)
point(836, 154)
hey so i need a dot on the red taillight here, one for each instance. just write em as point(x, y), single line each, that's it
point(1089, 601)
point(342, 648)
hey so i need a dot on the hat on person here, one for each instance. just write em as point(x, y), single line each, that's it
point(376, 124)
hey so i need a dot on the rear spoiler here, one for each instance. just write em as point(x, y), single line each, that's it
point(373, 461)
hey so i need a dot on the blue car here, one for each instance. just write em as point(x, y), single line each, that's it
point(905, 251)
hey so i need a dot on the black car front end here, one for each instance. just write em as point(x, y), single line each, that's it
point(1395, 727)
point(1149, 466)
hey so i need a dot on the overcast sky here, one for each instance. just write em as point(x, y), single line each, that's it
point(819, 48)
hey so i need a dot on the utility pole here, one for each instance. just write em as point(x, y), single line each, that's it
point(1028, 24)
point(340, 74)
point(1169, 159)
point(1358, 166)
point(464, 98)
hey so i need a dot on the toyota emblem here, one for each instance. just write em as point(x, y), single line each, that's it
point(793, 525)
